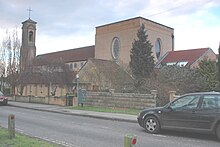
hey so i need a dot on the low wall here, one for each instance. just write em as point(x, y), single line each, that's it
point(57, 101)
point(99, 99)
point(41, 100)
point(121, 100)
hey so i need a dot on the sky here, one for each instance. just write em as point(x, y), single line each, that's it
point(68, 24)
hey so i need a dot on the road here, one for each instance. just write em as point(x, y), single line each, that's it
point(76, 131)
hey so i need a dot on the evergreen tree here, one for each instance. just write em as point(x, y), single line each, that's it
point(142, 60)
point(208, 69)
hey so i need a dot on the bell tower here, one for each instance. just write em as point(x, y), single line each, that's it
point(28, 48)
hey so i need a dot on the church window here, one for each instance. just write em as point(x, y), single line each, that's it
point(82, 63)
point(71, 66)
point(158, 48)
point(31, 35)
point(115, 48)
point(75, 65)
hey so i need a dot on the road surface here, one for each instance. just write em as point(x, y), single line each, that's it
point(76, 131)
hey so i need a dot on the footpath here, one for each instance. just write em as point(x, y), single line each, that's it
point(66, 111)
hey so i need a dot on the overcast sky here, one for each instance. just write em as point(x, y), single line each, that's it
point(67, 24)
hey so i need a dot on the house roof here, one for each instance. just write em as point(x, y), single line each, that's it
point(189, 56)
point(66, 56)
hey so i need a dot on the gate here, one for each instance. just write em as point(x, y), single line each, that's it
point(69, 99)
point(81, 96)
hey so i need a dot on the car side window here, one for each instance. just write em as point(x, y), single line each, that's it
point(186, 102)
point(211, 101)
point(218, 101)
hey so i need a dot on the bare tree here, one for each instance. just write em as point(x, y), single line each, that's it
point(54, 73)
point(9, 58)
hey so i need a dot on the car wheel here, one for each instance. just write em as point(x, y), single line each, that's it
point(151, 124)
point(218, 132)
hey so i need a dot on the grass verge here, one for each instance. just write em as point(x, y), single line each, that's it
point(108, 110)
point(21, 140)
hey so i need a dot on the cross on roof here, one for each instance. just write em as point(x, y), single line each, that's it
point(29, 12)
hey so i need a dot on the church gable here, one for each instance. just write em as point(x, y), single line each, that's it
point(124, 33)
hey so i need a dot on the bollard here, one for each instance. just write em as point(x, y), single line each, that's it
point(130, 140)
point(11, 126)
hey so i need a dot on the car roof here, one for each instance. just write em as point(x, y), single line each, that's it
point(201, 93)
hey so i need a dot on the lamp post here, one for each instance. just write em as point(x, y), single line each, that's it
point(2, 83)
point(77, 86)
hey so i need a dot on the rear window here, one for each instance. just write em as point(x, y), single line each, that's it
point(211, 101)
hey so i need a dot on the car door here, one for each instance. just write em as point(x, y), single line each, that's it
point(208, 111)
point(181, 112)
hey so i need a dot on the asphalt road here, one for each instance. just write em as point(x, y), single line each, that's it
point(76, 131)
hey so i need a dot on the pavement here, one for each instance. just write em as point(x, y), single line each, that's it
point(67, 111)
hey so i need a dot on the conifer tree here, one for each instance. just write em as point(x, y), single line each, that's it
point(142, 60)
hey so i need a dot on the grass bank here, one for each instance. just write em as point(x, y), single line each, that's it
point(21, 140)
point(108, 110)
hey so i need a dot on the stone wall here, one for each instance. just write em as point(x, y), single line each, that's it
point(99, 99)
point(121, 100)
point(41, 100)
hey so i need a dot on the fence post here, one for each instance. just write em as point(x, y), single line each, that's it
point(154, 93)
point(172, 95)
point(11, 126)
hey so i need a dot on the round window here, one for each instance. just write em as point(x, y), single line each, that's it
point(158, 48)
point(115, 48)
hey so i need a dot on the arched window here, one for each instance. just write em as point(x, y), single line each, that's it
point(31, 36)
point(158, 48)
point(115, 48)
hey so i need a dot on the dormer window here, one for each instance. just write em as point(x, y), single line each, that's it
point(182, 64)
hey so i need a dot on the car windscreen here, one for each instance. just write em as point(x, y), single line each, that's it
point(1, 94)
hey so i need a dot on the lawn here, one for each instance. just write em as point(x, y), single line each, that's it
point(21, 140)
point(108, 110)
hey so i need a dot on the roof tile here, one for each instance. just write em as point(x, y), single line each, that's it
point(72, 55)
point(189, 56)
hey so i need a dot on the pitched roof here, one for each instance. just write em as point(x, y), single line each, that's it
point(110, 70)
point(47, 78)
point(189, 56)
point(29, 21)
point(72, 55)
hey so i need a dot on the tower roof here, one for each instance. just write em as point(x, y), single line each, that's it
point(29, 21)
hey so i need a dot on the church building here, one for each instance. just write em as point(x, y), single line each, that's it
point(113, 43)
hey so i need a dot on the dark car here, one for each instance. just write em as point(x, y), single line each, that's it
point(194, 112)
point(3, 99)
